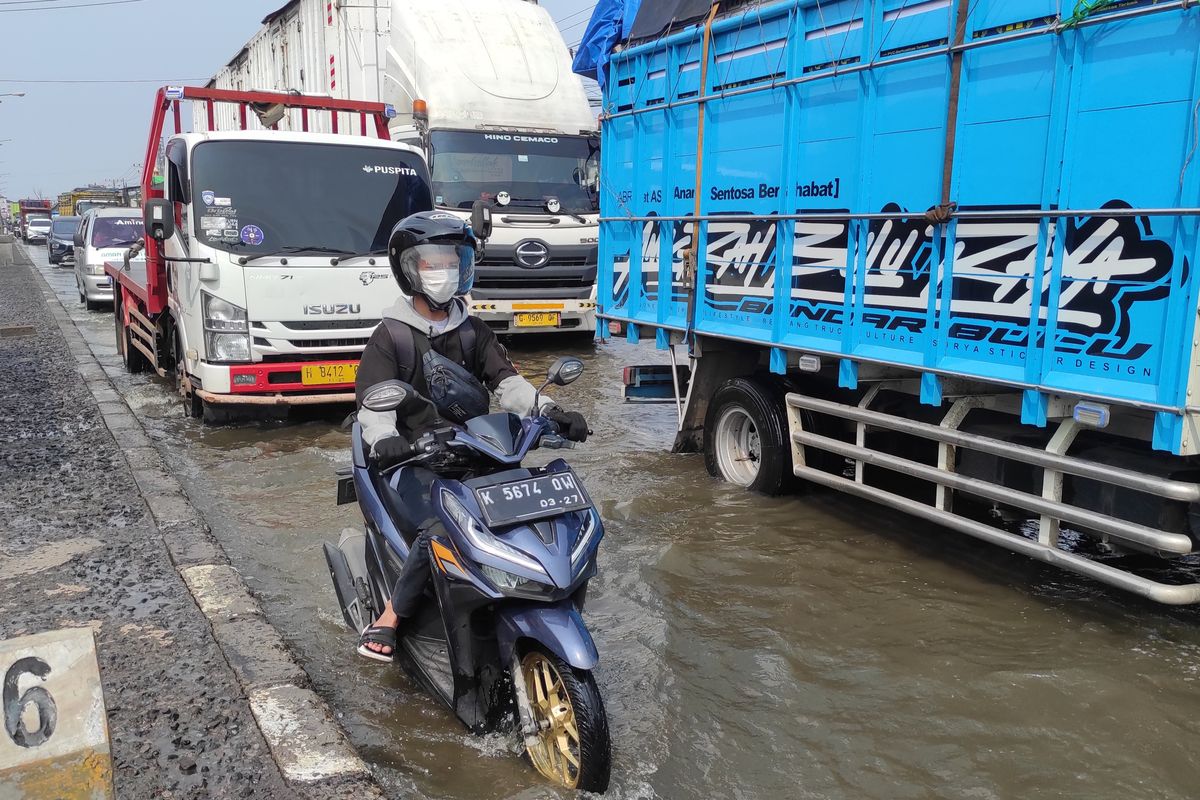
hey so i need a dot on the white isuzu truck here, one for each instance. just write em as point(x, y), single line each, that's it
point(265, 268)
point(484, 88)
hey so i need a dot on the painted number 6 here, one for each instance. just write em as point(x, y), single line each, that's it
point(14, 705)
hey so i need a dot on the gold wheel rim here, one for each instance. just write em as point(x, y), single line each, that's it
point(556, 754)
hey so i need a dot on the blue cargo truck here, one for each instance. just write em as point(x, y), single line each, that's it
point(938, 254)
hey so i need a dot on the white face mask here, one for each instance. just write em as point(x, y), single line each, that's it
point(439, 285)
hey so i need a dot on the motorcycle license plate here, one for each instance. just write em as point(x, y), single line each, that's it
point(543, 319)
point(326, 374)
point(531, 498)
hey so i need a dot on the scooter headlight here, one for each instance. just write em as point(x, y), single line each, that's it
point(587, 535)
point(507, 581)
point(483, 540)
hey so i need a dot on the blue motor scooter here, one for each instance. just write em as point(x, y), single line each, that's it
point(512, 551)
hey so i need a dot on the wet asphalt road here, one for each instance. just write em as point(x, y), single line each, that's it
point(751, 648)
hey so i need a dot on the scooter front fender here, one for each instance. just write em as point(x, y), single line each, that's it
point(557, 626)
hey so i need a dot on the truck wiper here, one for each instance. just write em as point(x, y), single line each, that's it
point(379, 251)
point(535, 202)
point(294, 250)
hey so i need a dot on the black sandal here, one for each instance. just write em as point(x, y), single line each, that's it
point(381, 635)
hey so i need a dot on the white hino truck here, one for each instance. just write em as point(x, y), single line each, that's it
point(484, 88)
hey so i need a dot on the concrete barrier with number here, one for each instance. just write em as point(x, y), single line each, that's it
point(6, 250)
point(54, 742)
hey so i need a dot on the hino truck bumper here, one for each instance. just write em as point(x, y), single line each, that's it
point(276, 383)
point(536, 316)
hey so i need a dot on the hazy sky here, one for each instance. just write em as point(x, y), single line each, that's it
point(67, 132)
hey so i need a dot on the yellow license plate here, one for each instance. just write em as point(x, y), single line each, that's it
point(326, 374)
point(542, 320)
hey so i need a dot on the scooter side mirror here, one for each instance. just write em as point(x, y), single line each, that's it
point(387, 396)
point(563, 371)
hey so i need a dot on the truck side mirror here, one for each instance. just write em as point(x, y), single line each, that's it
point(159, 218)
point(77, 239)
point(481, 220)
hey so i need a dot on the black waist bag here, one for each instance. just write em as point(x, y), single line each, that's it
point(456, 393)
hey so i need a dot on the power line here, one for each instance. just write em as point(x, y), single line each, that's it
point(63, 8)
point(163, 81)
point(587, 10)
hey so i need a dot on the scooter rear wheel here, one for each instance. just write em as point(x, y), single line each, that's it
point(573, 747)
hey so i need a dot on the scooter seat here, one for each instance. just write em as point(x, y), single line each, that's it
point(406, 497)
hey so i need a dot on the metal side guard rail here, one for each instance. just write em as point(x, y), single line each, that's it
point(1048, 505)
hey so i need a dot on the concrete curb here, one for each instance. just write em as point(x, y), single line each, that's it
point(310, 749)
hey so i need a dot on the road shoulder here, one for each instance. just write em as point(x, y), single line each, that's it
point(313, 756)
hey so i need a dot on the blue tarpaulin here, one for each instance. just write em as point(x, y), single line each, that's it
point(611, 22)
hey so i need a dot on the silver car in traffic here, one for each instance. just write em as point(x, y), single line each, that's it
point(104, 236)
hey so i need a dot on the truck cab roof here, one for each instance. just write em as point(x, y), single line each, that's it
point(349, 140)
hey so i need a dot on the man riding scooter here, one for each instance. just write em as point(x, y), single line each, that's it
point(427, 339)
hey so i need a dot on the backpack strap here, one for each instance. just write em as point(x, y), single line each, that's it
point(410, 348)
point(468, 337)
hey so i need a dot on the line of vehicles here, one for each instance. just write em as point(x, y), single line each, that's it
point(33, 218)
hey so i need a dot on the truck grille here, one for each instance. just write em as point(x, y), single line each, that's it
point(582, 261)
point(283, 358)
point(533, 281)
point(306, 343)
point(331, 324)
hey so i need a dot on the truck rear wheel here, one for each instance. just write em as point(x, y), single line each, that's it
point(193, 406)
point(746, 437)
point(131, 357)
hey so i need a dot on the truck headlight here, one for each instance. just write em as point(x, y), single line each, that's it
point(227, 346)
point(221, 315)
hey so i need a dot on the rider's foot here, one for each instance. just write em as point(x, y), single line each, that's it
point(387, 619)
point(377, 644)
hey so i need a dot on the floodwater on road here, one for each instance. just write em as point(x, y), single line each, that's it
point(813, 646)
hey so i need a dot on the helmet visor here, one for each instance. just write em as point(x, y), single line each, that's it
point(440, 271)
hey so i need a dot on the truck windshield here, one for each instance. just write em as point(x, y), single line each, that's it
point(66, 226)
point(259, 197)
point(116, 231)
point(531, 168)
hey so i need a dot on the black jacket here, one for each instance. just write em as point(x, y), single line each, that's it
point(487, 360)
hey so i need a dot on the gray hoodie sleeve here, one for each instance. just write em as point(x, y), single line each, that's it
point(377, 425)
point(379, 364)
point(516, 396)
point(513, 392)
